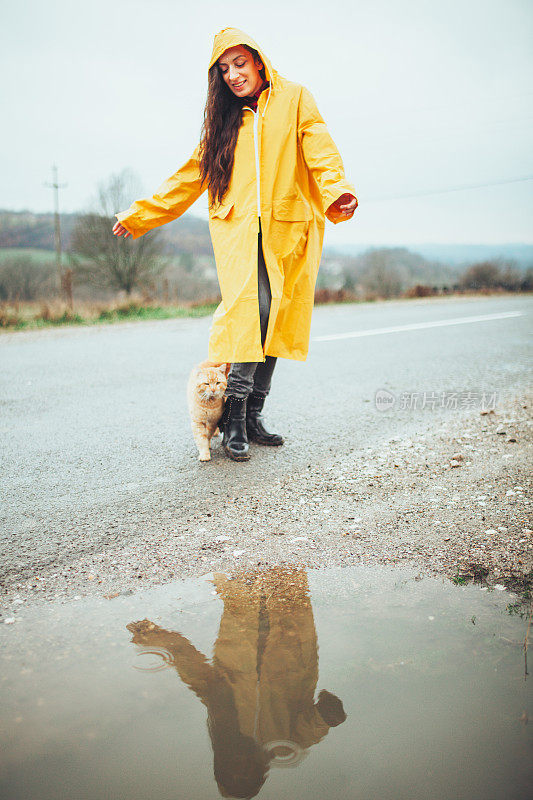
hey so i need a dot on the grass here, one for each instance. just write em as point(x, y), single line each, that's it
point(25, 316)
point(36, 254)
point(460, 580)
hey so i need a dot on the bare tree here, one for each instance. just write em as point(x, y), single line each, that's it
point(110, 261)
point(381, 273)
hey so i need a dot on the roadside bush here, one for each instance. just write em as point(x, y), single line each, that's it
point(59, 317)
point(25, 279)
point(492, 275)
point(526, 284)
point(420, 291)
point(335, 296)
point(9, 317)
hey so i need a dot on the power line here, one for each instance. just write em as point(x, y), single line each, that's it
point(445, 191)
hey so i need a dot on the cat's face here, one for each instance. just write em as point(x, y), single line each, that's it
point(211, 383)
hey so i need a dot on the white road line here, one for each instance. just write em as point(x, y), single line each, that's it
point(418, 326)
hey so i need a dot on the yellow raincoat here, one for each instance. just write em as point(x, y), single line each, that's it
point(288, 171)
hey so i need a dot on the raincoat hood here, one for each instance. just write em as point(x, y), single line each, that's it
point(232, 37)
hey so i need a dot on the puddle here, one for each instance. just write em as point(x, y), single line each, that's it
point(353, 683)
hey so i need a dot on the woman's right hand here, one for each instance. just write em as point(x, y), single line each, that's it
point(119, 230)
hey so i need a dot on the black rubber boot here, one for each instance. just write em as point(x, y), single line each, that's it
point(254, 423)
point(233, 425)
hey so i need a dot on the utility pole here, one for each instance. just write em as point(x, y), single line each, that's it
point(57, 227)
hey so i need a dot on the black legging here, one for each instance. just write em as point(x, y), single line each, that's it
point(245, 377)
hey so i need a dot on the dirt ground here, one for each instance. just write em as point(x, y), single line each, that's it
point(453, 500)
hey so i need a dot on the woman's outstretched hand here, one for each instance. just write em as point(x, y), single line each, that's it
point(346, 204)
point(119, 230)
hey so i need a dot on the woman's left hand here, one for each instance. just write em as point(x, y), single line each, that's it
point(346, 204)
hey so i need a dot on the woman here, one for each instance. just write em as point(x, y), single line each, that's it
point(273, 173)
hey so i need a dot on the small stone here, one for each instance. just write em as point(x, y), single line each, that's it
point(457, 457)
point(9, 620)
point(431, 619)
point(510, 493)
point(454, 463)
point(499, 587)
point(222, 538)
point(491, 531)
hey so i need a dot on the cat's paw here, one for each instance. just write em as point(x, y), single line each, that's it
point(204, 457)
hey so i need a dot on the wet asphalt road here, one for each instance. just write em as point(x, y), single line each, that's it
point(95, 433)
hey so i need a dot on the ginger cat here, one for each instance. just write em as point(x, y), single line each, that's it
point(205, 396)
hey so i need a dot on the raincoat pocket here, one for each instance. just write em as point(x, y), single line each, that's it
point(292, 208)
point(221, 211)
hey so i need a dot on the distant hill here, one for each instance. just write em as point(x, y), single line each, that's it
point(462, 254)
point(358, 267)
point(24, 229)
point(458, 255)
point(190, 234)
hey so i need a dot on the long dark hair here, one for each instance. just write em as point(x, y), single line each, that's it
point(220, 129)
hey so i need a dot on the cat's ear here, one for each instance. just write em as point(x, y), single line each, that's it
point(227, 369)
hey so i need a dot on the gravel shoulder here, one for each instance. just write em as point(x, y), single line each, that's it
point(453, 499)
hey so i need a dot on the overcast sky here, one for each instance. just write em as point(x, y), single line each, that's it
point(421, 96)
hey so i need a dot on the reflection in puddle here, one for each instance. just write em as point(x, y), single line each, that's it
point(423, 680)
point(259, 689)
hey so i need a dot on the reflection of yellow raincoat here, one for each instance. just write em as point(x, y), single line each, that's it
point(288, 171)
point(260, 688)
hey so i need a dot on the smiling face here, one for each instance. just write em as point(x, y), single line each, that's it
point(240, 71)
